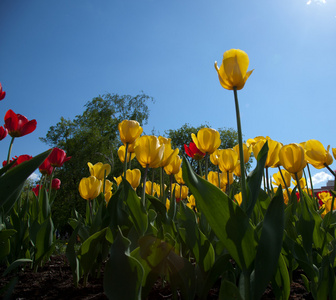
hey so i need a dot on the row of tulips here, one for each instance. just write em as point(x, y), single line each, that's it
point(27, 233)
point(204, 227)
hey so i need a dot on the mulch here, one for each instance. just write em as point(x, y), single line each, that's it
point(54, 281)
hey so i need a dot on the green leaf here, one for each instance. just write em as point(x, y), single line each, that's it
point(44, 239)
point(14, 178)
point(15, 264)
point(72, 256)
point(269, 245)
point(229, 291)
point(226, 218)
point(254, 180)
point(137, 213)
point(90, 249)
point(123, 274)
point(281, 280)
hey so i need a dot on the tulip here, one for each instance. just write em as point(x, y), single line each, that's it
point(237, 170)
point(18, 125)
point(121, 153)
point(327, 206)
point(324, 196)
point(334, 152)
point(252, 142)
point(167, 204)
point(55, 184)
point(238, 198)
point(207, 140)
point(99, 170)
point(233, 73)
point(228, 160)
point(150, 188)
point(181, 191)
point(36, 190)
point(215, 156)
point(191, 202)
point(168, 154)
point(149, 151)
point(133, 177)
point(273, 151)
point(292, 158)
point(118, 180)
point(284, 180)
point(302, 182)
point(174, 166)
point(3, 132)
point(89, 187)
point(19, 160)
point(58, 157)
point(193, 152)
point(217, 179)
point(129, 131)
point(46, 168)
point(247, 152)
point(2, 93)
point(179, 177)
point(317, 155)
point(108, 196)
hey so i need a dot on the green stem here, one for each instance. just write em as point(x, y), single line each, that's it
point(10, 149)
point(143, 198)
point(161, 184)
point(200, 168)
point(241, 152)
point(299, 186)
point(228, 182)
point(125, 162)
point(219, 182)
point(284, 181)
point(330, 170)
point(267, 181)
point(311, 181)
point(206, 166)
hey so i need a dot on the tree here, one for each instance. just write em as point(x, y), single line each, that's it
point(91, 137)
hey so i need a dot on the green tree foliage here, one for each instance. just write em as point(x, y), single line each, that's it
point(91, 137)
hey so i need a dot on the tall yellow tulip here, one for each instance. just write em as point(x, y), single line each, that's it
point(174, 166)
point(285, 181)
point(149, 151)
point(317, 155)
point(292, 158)
point(89, 187)
point(233, 71)
point(181, 191)
point(133, 177)
point(247, 152)
point(178, 177)
point(228, 160)
point(169, 154)
point(99, 169)
point(207, 140)
point(129, 131)
point(273, 152)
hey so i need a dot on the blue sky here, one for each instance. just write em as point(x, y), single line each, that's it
point(57, 55)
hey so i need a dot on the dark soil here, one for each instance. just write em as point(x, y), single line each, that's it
point(54, 281)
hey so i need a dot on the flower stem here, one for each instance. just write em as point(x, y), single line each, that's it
point(241, 152)
point(10, 149)
point(125, 162)
point(206, 166)
point(143, 198)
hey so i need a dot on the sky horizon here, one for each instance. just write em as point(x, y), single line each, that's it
point(57, 56)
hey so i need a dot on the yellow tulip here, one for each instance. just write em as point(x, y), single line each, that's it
point(213, 178)
point(89, 187)
point(207, 140)
point(215, 156)
point(108, 196)
point(327, 207)
point(302, 182)
point(228, 160)
point(149, 151)
point(317, 155)
point(233, 71)
point(237, 170)
point(238, 198)
point(292, 158)
point(278, 179)
point(324, 196)
point(150, 189)
point(181, 191)
point(118, 180)
point(191, 202)
point(252, 142)
point(174, 166)
point(167, 204)
point(334, 152)
point(133, 177)
point(169, 154)
point(273, 152)
point(99, 169)
point(121, 154)
point(129, 131)
point(247, 152)
point(179, 178)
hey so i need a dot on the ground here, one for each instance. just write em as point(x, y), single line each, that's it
point(54, 281)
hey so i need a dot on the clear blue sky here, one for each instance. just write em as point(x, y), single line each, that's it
point(57, 55)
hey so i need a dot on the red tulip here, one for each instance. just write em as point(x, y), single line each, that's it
point(18, 125)
point(57, 157)
point(3, 133)
point(19, 160)
point(55, 184)
point(193, 151)
point(46, 168)
point(36, 190)
point(2, 93)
